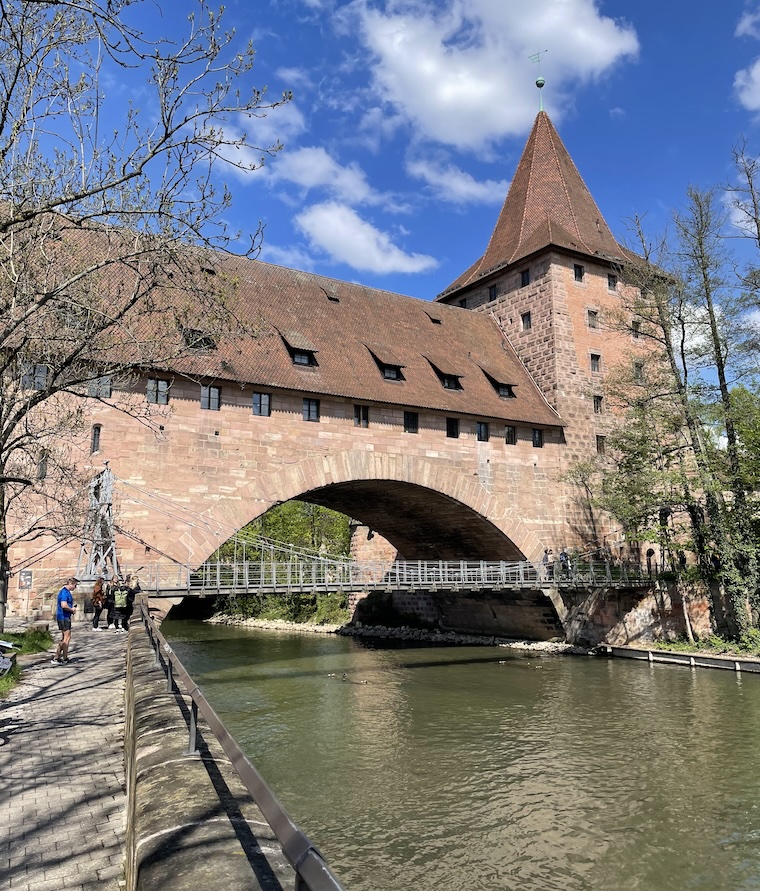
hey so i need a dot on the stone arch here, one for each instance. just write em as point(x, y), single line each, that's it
point(314, 478)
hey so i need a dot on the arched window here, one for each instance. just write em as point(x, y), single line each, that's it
point(95, 439)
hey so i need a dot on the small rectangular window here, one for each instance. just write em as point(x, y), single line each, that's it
point(638, 371)
point(505, 391)
point(361, 416)
point(211, 398)
point(596, 362)
point(311, 409)
point(392, 372)
point(158, 391)
point(452, 428)
point(411, 422)
point(95, 438)
point(493, 292)
point(600, 445)
point(450, 382)
point(612, 282)
point(598, 405)
point(262, 405)
point(524, 278)
point(482, 431)
point(302, 357)
point(510, 435)
point(525, 321)
point(463, 303)
point(579, 272)
point(592, 317)
point(34, 377)
point(636, 329)
point(100, 387)
point(538, 438)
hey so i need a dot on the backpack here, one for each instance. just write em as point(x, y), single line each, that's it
point(120, 598)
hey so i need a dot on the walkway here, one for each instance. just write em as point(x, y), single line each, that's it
point(62, 801)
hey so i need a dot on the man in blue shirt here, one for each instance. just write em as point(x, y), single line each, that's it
point(64, 612)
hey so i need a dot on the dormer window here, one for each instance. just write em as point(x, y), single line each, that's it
point(389, 364)
point(303, 357)
point(391, 372)
point(196, 340)
point(495, 379)
point(447, 375)
point(302, 351)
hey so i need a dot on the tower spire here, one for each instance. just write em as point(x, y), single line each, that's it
point(536, 59)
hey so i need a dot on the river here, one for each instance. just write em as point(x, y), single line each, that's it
point(481, 769)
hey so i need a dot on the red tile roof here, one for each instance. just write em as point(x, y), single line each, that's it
point(547, 204)
point(347, 333)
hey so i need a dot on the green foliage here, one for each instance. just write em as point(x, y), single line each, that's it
point(9, 681)
point(319, 609)
point(33, 641)
point(332, 609)
point(746, 406)
point(748, 644)
point(302, 525)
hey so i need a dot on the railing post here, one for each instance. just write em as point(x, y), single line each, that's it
point(169, 677)
point(192, 743)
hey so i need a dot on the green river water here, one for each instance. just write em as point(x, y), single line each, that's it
point(480, 769)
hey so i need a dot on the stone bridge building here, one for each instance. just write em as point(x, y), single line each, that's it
point(445, 426)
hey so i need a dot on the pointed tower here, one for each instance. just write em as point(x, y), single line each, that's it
point(549, 275)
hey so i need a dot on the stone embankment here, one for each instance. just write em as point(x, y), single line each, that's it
point(403, 633)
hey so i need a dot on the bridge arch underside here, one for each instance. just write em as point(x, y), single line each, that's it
point(421, 523)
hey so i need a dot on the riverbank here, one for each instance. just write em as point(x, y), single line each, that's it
point(383, 632)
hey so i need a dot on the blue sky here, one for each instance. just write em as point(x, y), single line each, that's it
point(409, 117)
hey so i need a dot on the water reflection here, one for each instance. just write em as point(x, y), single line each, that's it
point(476, 768)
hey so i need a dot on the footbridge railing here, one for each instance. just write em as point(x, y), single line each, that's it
point(325, 575)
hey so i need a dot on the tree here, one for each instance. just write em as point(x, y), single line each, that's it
point(108, 229)
point(680, 467)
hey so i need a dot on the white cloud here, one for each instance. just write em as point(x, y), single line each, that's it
point(341, 233)
point(449, 183)
point(292, 257)
point(617, 113)
point(295, 77)
point(277, 125)
point(747, 86)
point(749, 25)
point(313, 167)
point(459, 72)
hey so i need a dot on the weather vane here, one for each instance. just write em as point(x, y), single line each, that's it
point(536, 59)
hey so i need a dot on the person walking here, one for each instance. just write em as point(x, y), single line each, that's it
point(133, 589)
point(121, 605)
point(64, 612)
point(98, 602)
point(110, 587)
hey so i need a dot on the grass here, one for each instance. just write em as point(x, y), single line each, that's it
point(747, 645)
point(28, 642)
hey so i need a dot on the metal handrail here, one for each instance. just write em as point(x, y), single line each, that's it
point(346, 575)
point(312, 872)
